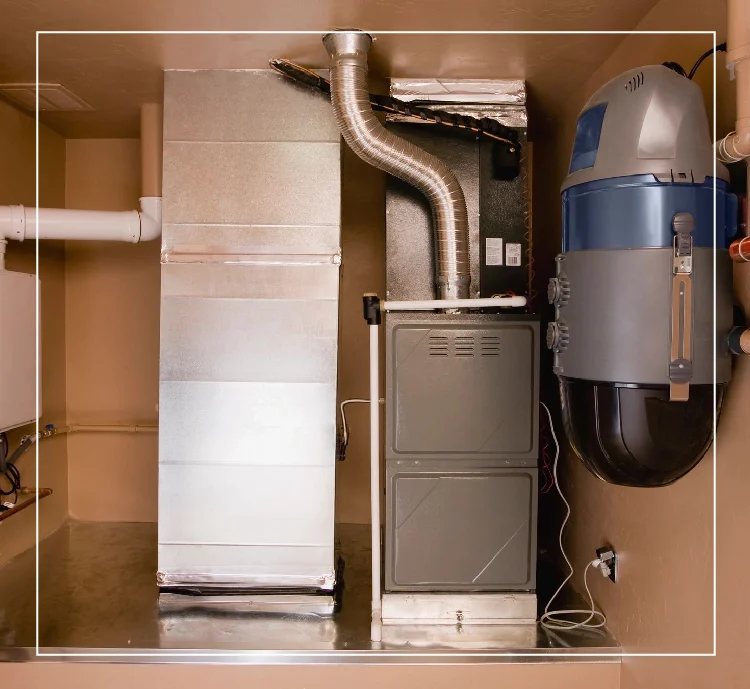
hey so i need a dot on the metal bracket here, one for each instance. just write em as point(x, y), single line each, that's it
point(681, 326)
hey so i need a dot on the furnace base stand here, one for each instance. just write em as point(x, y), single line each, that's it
point(459, 608)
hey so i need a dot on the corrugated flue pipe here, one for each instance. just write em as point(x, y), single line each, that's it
point(372, 142)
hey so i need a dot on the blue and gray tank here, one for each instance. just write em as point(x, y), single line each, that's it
point(647, 219)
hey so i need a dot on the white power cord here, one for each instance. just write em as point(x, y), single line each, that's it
point(345, 433)
point(554, 619)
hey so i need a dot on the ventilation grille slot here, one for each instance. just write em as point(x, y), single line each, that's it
point(464, 345)
point(490, 345)
point(438, 345)
point(634, 82)
point(52, 97)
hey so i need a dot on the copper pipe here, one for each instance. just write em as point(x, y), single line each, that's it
point(118, 428)
point(37, 493)
point(98, 428)
point(739, 250)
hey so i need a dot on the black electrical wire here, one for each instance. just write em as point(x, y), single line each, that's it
point(676, 67)
point(3, 451)
point(484, 126)
point(11, 472)
point(722, 47)
point(13, 476)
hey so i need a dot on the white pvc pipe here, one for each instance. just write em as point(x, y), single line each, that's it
point(20, 223)
point(375, 627)
point(150, 216)
point(431, 304)
point(54, 223)
point(152, 145)
point(736, 145)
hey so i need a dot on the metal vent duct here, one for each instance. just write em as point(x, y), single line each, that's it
point(384, 150)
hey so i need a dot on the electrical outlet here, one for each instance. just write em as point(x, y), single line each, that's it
point(608, 556)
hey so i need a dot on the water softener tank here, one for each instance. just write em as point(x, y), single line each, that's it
point(639, 336)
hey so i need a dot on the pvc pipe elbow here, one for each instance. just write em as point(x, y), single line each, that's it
point(13, 222)
point(735, 146)
point(150, 218)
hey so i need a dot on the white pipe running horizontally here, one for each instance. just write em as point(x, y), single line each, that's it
point(20, 223)
point(429, 304)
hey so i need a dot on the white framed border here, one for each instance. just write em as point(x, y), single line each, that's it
point(339, 654)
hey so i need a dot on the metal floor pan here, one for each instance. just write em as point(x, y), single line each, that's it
point(98, 595)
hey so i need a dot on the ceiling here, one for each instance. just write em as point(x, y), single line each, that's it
point(115, 73)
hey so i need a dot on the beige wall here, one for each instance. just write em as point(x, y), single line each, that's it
point(363, 270)
point(18, 186)
point(112, 340)
point(651, 528)
point(664, 601)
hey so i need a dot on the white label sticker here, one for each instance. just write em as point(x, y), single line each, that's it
point(494, 251)
point(512, 254)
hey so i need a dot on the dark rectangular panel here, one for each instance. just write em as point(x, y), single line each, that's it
point(457, 530)
point(462, 387)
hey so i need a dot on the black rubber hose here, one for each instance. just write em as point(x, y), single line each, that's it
point(25, 445)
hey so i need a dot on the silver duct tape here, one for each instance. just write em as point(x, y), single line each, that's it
point(382, 149)
point(508, 91)
point(508, 115)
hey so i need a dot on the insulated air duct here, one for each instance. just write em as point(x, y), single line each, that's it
point(384, 150)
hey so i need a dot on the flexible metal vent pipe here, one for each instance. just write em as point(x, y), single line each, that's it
point(372, 142)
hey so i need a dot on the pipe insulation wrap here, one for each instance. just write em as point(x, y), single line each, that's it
point(382, 149)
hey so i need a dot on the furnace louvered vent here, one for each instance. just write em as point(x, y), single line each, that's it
point(52, 97)
point(458, 345)
point(464, 345)
point(490, 345)
point(438, 345)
